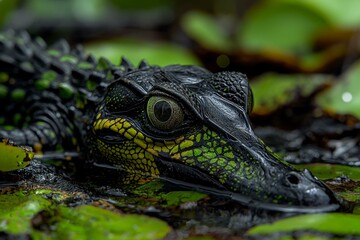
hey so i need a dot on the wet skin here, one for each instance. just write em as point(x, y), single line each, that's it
point(181, 123)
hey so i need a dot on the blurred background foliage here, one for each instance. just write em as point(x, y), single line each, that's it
point(290, 39)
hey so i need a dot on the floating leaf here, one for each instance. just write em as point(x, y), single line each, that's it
point(285, 26)
point(13, 157)
point(331, 171)
point(19, 209)
point(347, 190)
point(89, 222)
point(206, 30)
point(340, 13)
point(274, 90)
point(334, 223)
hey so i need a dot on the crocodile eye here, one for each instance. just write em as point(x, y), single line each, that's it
point(164, 113)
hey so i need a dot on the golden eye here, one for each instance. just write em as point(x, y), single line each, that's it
point(164, 113)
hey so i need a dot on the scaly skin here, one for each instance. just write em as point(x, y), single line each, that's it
point(182, 123)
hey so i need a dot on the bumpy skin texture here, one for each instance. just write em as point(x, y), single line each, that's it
point(182, 123)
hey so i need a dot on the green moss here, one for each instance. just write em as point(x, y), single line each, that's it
point(17, 209)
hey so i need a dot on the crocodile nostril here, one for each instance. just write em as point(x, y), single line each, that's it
point(293, 178)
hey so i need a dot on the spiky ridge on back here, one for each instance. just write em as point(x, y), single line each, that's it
point(54, 86)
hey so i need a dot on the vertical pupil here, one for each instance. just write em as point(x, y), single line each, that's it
point(162, 111)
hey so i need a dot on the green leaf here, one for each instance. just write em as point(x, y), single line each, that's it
point(344, 97)
point(285, 26)
point(274, 90)
point(155, 53)
point(347, 190)
point(335, 223)
point(331, 171)
point(339, 13)
point(206, 30)
point(89, 222)
point(19, 208)
point(13, 157)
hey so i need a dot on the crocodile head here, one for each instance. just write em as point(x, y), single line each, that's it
point(186, 124)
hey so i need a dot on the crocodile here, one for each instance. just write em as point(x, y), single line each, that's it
point(180, 123)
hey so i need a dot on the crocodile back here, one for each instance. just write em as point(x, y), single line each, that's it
point(55, 86)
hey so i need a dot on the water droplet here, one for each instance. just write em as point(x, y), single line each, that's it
point(346, 97)
point(223, 61)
